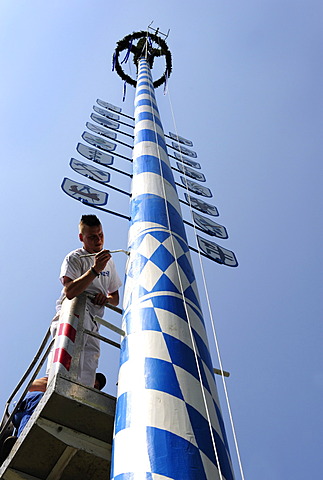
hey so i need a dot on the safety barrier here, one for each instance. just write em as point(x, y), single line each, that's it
point(65, 350)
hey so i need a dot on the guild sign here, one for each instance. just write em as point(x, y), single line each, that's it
point(190, 172)
point(187, 161)
point(105, 122)
point(107, 105)
point(98, 142)
point(209, 226)
point(89, 171)
point(217, 253)
point(94, 155)
point(101, 131)
point(106, 113)
point(201, 205)
point(196, 188)
point(84, 193)
point(182, 140)
point(184, 150)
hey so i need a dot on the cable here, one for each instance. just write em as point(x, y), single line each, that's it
point(209, 308)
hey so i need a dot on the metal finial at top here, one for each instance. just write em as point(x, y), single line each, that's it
point(156, 31)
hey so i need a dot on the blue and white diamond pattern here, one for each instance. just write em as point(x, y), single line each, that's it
point(166, 384)
point(151, 259)
point(170, 401)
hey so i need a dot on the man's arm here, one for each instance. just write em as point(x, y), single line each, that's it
point(38, 385)
point(73, 288)
point(113, 298)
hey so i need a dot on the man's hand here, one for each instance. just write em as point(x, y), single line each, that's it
point(100, 261)
point(100, 299)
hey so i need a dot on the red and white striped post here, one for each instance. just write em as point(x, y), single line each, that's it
point(67, 345)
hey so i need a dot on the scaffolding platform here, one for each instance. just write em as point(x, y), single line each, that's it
point(68, 436)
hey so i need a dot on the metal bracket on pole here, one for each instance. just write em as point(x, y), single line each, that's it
point(221, 372)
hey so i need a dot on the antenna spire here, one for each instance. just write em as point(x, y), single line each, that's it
point(156, 31)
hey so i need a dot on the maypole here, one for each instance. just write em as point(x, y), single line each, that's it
point(168, 422)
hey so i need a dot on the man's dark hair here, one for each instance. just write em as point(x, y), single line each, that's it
point(100, 378)
point(90, 221)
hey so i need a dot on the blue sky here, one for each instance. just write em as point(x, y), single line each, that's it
point(246, 88)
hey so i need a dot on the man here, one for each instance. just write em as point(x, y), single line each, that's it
point(100, 381)
point(26, 408)
point(28, 405)
point(95, 275)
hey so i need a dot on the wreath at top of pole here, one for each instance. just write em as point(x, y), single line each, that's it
point(138, 51)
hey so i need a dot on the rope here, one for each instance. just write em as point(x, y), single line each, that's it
point(185, 303)
point(210, 309)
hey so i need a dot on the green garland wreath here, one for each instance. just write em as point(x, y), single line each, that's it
point(137, 52)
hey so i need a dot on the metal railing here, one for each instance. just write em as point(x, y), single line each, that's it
point(35, 366)
point(48, 345)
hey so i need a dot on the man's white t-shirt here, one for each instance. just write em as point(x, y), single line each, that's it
point(74, 266)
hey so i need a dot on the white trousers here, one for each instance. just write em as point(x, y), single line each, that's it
point(90, 351)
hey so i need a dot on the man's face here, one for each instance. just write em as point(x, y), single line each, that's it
point(92, 238)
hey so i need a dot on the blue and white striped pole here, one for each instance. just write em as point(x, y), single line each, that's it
point(168, 421)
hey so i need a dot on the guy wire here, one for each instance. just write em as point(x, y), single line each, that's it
point(209, 305)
